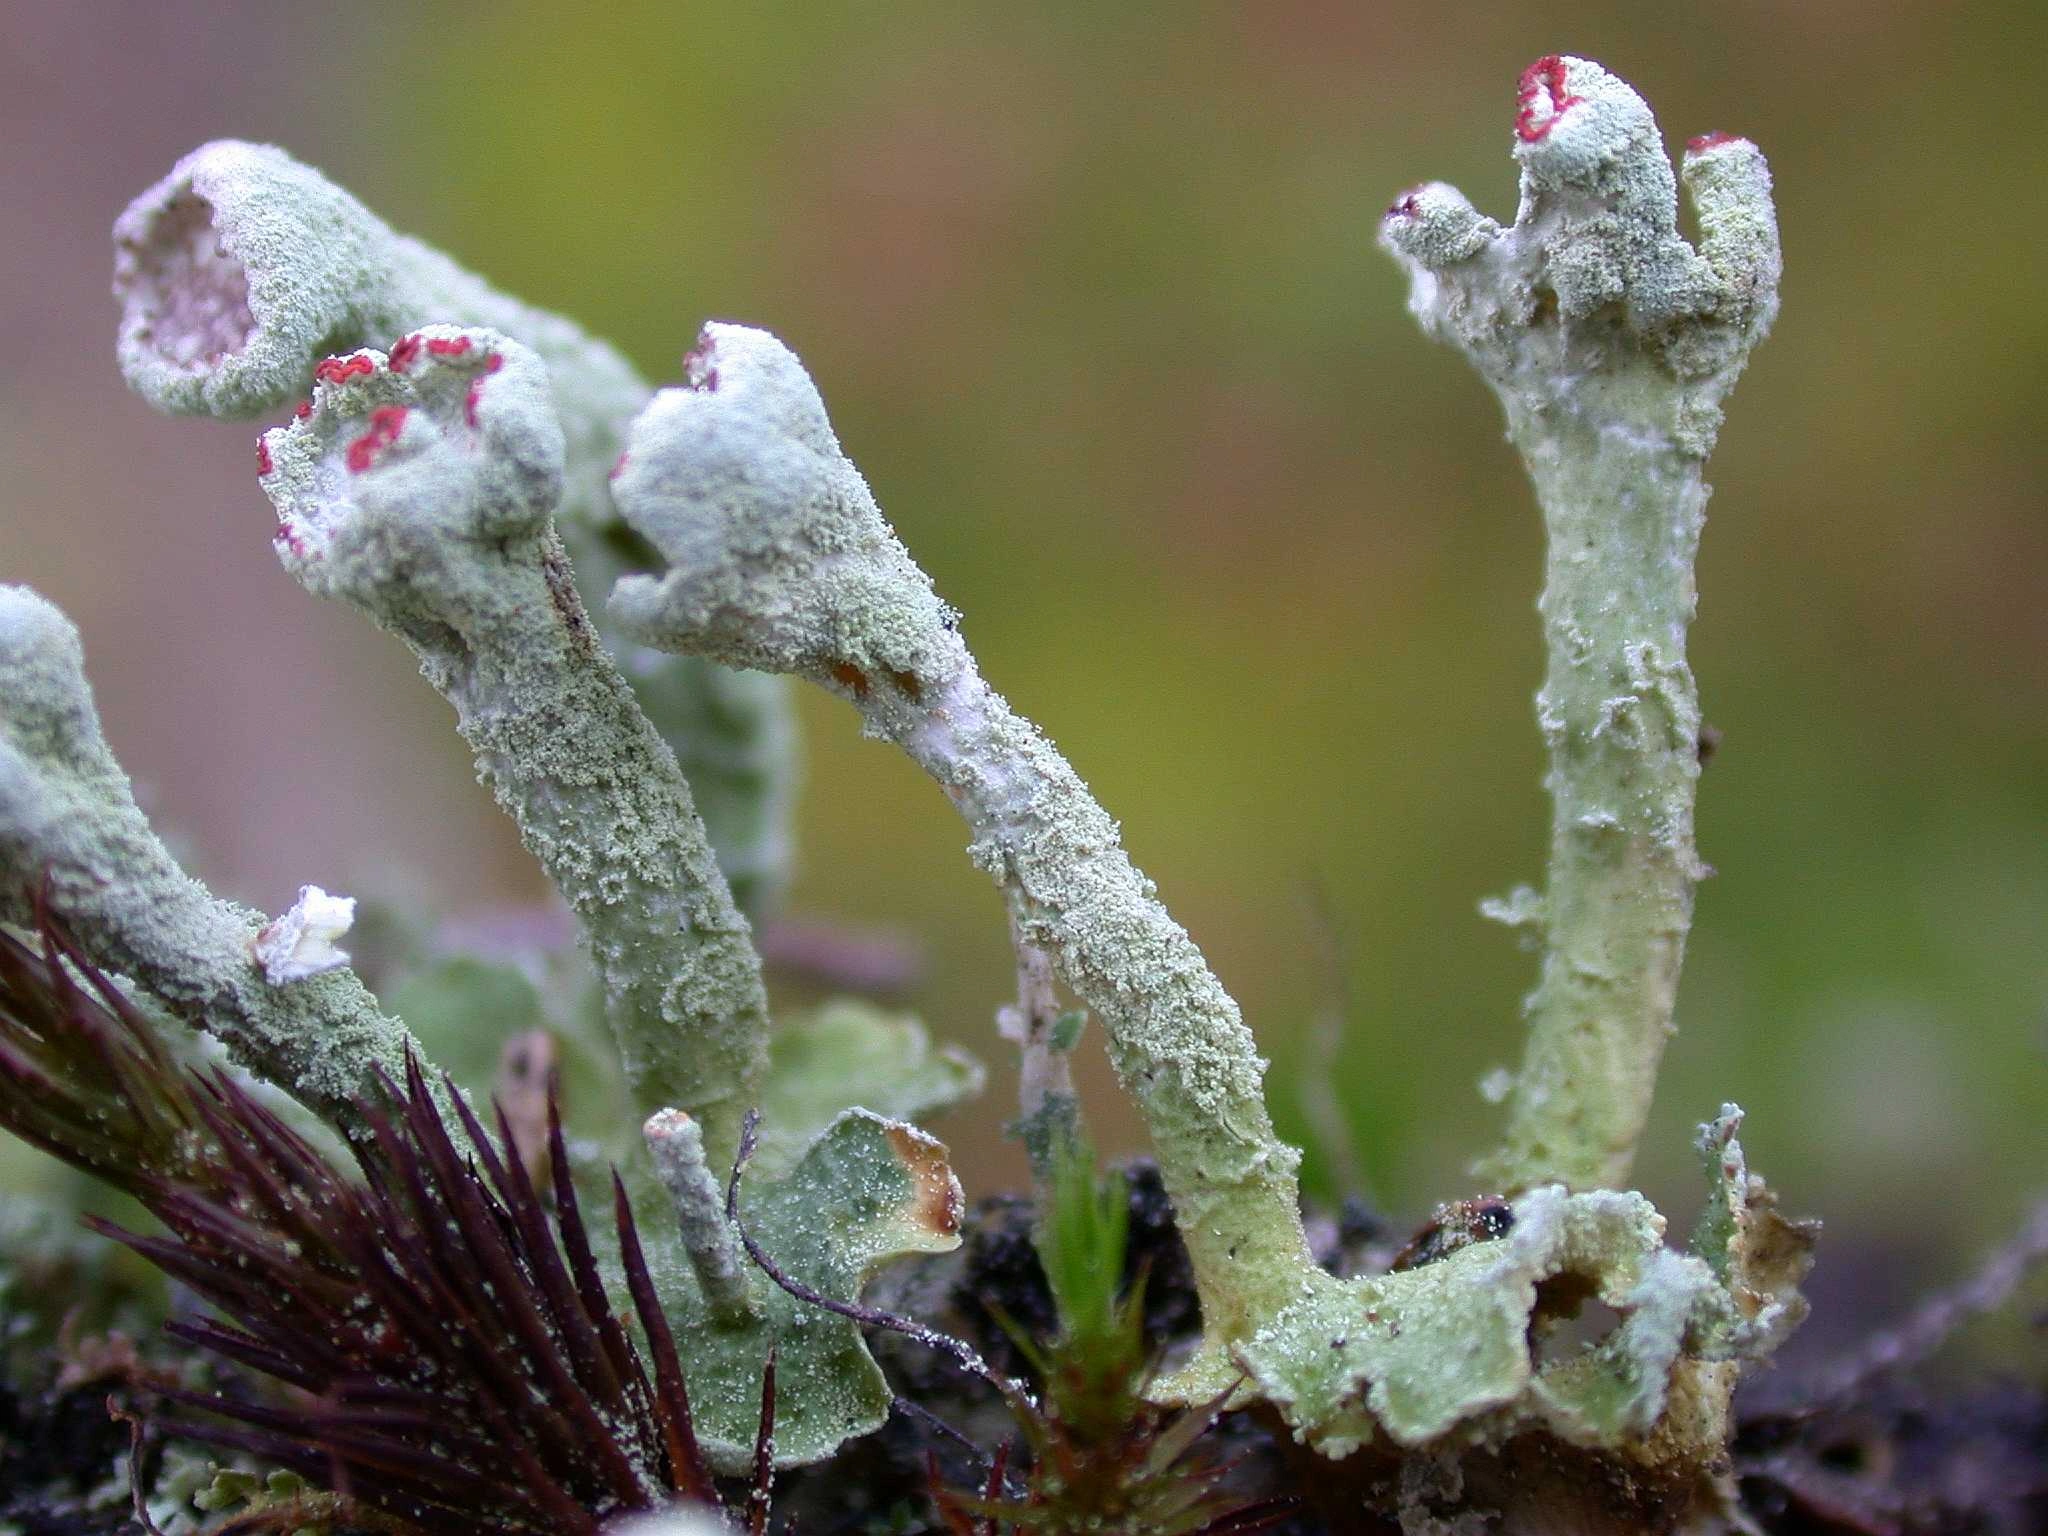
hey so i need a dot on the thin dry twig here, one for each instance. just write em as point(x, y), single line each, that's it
point(1928, 1326)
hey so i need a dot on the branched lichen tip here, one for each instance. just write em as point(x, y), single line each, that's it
point(778, 557)
point(452, 436)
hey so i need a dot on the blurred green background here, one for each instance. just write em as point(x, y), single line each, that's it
point(1091, 292)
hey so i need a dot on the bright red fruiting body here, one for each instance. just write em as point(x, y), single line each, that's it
point(339, 370)
point(1544, 78)
point(698, 373)
point(1708, 141)
point(386, 422)
point(408, 348)
point(288, 535)
point(476, 385)
point(304, 411)
point(262, 457)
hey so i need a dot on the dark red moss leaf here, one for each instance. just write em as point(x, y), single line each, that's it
point(764, 1455)
point(672, 1398)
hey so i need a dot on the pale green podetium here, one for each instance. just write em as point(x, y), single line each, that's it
point(779, 559)
point(70, 829)
point(420, 491)
point(1611, 343)
point(242, 269)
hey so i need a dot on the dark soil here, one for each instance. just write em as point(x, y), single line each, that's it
point(1905, 1458)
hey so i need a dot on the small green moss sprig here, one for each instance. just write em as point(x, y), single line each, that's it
point(1103, 1457)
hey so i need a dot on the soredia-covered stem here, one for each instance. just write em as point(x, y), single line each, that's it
point(780, 560)
point(1610, 342)
point(71, 834)
point(418, 489)
point(242, 269)
point(724, 1272)
point(1048, 1109)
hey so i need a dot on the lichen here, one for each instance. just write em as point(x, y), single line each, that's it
point(867, 1190)
point(301, 943)
point(1414, 1356)
point(243, 269)
point(780, 558)
point(419, 489)
point(72, 835)
point(453, 439)
point(1611, 342)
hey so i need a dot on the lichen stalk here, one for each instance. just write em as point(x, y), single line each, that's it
point(1048, 1110)
point(1611, 343)
point(418, 489)
point(780, 560)
point(242, 269)
point(724, 1272)
point(1176, 1038)
point(72, 835)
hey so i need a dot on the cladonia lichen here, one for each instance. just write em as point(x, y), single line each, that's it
point(1611, 343)
point(420, 489)
point(780, 559)
point(72, 836)
point(242, 270)
point(452, 457)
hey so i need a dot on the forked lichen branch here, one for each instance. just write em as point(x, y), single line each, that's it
point(1611, 343)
